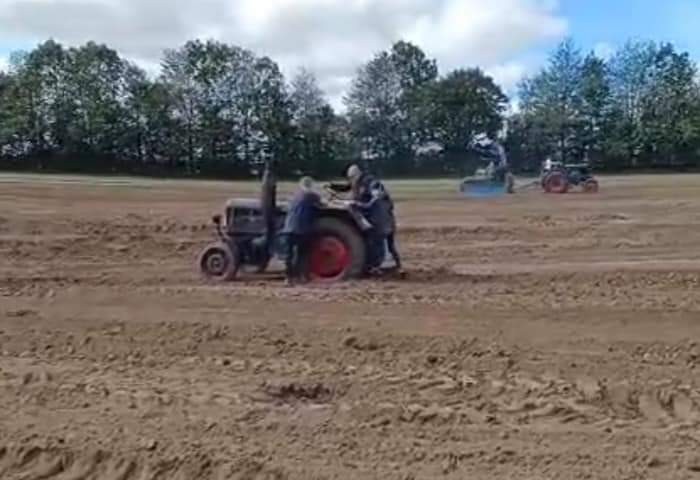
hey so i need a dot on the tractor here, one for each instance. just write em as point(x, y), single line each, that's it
point(250, 236)
point(559, 178)
point(495, 178)
point(484, 184)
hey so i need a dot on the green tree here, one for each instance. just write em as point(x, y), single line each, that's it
point(317, 145)
point(379, 105)
point(552, 101)
point(630, 82)
point(595, 106)
point(37, 100)
point(231, 106)
point(68, 103)
point(654, 97)
point(671, 132)
point(151, 138)
point(456, 108)
point(98, 87)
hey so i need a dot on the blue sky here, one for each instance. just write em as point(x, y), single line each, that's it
point(614, 21)
point(508, 38)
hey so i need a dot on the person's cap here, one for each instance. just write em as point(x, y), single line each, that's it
point(306, 183)
point(354, 171)
point(482, 139)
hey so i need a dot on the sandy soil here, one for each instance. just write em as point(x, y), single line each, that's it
point(535, 337)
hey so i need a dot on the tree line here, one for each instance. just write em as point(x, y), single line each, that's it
point(218, 110)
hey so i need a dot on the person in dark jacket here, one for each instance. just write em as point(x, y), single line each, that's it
point(358, 185)
point(391, 230)
point(300, 219)
point(380, 213)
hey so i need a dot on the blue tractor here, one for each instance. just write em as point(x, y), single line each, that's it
point(493, 180)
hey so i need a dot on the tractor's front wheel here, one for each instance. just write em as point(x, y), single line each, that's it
point(219, 262)
point(337, 251)
point(591, 186)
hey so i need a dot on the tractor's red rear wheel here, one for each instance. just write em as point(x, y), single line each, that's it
point(337, 251)
point(329, 258)
point(556, 182)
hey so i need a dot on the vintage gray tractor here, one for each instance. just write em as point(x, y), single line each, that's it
point(250, 235)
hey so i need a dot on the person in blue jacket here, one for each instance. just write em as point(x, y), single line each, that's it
point(302, 213)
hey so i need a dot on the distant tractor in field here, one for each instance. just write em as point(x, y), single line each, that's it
point(494, 177)
point(250, 235)
point(559, 178)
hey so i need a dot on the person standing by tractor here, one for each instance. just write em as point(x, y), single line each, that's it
point(359, 184)
point(371, 197)
point(380, 212)
point(390, 226)
point(300, 219)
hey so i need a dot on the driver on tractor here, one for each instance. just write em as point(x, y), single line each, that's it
point(490, 149)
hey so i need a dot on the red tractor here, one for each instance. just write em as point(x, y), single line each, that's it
point(559, 178)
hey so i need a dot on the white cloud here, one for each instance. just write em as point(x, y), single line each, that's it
point(330, 37)
point(604, 50)
point(508, 74)
point(4, 63)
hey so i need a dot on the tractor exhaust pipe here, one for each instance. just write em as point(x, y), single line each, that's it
point(268, 205)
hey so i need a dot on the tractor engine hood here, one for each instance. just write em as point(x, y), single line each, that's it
point(244, 215)
point(253, 204)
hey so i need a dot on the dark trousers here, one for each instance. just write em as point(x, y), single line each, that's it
point(297, 253)
point(376, 249)
point(391, 245)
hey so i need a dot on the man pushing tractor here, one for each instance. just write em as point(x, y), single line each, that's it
point(371, 197)
point(321, 241)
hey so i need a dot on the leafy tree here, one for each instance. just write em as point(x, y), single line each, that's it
point(456, 108)
point(595, 105)
point(668, 107)
point(152, 130)
point(219, 109)
point(379, 104)
point(37, 100)
point(317, 144)
point(552, 101)
point(98, 89)
point(231, 106)
point(630, 83)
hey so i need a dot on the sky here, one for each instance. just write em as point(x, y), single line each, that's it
point(508, 38)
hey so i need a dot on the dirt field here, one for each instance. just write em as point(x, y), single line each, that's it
point(536, 337)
